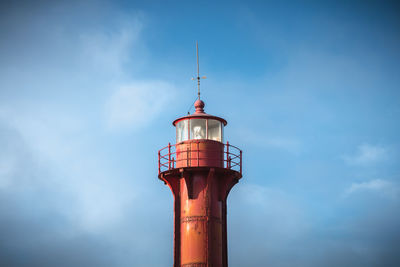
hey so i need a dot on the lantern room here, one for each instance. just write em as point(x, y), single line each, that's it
point(200, 143)
point(199, 125)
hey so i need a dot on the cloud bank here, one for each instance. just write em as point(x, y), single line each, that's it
point(367, 154)
point(136, 105)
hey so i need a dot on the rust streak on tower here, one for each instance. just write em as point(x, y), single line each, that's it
point(200, 170)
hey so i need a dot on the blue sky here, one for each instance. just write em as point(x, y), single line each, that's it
point(310, 90)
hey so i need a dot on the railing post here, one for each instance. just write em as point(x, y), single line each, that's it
point(227, 154)
point(169, 156)
point(240, 161)
point(159, 166)
point(173, 163)
point(188, 163)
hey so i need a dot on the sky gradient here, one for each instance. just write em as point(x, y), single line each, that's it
point(310, 90)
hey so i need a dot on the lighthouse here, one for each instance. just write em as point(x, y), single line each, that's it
point(200, 169)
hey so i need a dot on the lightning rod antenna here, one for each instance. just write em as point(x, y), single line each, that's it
point(198, 71)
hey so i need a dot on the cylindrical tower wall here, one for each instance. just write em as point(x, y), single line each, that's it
point(200, 153)
point(201, 221)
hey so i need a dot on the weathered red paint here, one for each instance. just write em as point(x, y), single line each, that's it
point(200, 174)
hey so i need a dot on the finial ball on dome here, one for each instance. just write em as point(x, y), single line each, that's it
point(199, 105)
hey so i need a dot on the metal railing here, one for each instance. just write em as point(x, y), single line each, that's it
point(169, 158)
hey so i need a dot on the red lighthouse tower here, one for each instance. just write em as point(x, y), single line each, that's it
point(200, 170)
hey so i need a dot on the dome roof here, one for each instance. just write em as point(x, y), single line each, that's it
point(200, 114)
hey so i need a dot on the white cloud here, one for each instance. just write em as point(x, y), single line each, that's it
point(367, 154)
point(380, 186)
point(66, 162)
point(107, 51)
point(60, 134)
point(137, 104)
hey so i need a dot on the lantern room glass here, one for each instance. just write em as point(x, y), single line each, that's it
point(198, 129)
point(182, 131)
point(190, 129)
point(215, 130)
